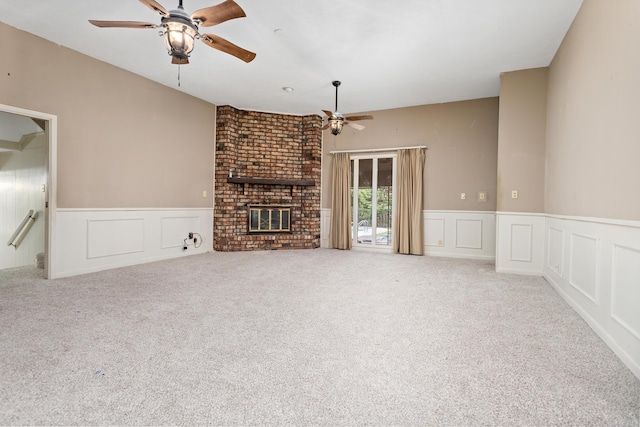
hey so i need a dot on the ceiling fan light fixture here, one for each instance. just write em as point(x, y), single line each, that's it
point(336, 122)
point(180, 34)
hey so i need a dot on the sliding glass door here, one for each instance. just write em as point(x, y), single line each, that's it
point(372, 193)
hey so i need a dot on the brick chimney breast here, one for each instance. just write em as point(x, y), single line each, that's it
point(266, 159)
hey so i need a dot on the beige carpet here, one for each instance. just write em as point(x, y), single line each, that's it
point(320, 337)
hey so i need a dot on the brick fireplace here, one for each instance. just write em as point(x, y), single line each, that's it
point(271, 161)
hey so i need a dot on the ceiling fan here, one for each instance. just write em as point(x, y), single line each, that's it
point(180, 30)
point(336, 121)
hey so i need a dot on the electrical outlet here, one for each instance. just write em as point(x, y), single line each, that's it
point(482, 196)
point(514, 194)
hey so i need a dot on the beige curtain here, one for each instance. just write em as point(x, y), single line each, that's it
point(407, 225)
point(340, 231)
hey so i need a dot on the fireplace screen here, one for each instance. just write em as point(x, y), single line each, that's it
point(269, 219)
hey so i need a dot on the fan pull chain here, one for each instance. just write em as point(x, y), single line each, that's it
point(178, 75)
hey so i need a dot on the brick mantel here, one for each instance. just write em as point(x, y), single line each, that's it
point(266, 159)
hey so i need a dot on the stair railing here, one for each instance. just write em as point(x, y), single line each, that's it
point(23, 229)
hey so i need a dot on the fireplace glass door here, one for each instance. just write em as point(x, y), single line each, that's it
point(372, 198)
point(269, 219)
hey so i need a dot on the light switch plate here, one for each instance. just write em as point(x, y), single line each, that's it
point(463, 196)
point(482, 196)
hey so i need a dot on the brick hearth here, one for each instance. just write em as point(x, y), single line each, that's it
point(283, 153)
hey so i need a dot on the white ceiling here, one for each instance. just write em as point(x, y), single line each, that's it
point(387, 54)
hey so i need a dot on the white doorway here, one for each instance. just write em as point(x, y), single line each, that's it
point(27, 188)
point(373, 181)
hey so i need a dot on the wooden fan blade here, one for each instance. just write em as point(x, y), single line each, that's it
point(354, 118)
point(355, 125)
point(180, 61)
point(155, 6)
point(328, 113)
point(325, 127)
point(227, 47)
point(214, 15)
point(122, 24)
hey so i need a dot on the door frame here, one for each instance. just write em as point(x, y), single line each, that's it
point(374, 179)
point(51, 164)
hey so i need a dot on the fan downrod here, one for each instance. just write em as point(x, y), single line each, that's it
point(336, 83)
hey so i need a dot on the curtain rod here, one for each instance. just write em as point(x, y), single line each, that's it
point(378, 149)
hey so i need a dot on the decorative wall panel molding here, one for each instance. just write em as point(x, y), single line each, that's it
point(625, 288)
point(434, 232)
point(603, 284)
point(460, 234)
point(520, 241)
point(583, 265)
point(555, 250)
point(469, 233)
point(99, 239)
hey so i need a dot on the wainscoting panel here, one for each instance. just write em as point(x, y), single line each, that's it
point(469, 233)
point(603, 280)
point(520, 243)
point(583, 265)
point(555, 250)
point(460, 234)
point(101, 244)
point(625, 288)
point(98, 239)
point(434, 232)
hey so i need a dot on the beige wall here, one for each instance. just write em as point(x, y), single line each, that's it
point(521, 140)
point(593, 125)
point(462, 141)
point(123, 140)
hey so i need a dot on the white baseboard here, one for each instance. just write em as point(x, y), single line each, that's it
point(90, 240)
